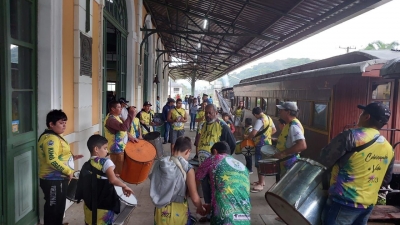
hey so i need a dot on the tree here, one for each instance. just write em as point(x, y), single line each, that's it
point(378, 45)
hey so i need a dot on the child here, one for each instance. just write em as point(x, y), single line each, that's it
point(107, 199)
point(248, 128)
point(227, 119)
point(135, 132)
point(171, 179)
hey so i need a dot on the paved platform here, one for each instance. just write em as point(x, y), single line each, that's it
point(261, 212)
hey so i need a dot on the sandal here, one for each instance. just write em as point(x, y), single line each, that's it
point(257, 183)
point(257, 188)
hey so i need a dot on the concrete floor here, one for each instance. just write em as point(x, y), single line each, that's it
point(261, 212)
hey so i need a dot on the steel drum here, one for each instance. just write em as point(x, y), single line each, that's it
point(298, 198)
point(155, 139)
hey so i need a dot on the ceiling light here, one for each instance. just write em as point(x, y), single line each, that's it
point(205, 24)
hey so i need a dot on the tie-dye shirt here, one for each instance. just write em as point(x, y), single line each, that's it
point(230, 188)
point(357, 175)
point(104, 217)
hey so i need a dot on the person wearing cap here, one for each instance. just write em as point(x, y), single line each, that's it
point(291, 140)
point(116, 132)
point(266, 127)
point(146, 118)
point(361, 161)
point(177, 117)
point(205, 98)
point(124, 108)
point(167, 107)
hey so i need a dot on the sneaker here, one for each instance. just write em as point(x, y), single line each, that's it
point(251, 172)
point(165, 142)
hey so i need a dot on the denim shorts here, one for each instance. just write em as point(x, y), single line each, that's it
point(337, 214)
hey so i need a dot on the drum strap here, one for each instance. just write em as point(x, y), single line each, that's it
point(94, 191)
point(179, 165)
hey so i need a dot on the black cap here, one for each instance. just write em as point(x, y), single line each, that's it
point(147, 103)
point(378, 111)
point(123, 100)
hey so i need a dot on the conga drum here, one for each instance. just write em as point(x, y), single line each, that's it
point(139, 158)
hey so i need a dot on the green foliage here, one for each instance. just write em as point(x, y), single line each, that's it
point(267, 67)
point(378, 45)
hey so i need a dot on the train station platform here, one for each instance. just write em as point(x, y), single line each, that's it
point(261, 212)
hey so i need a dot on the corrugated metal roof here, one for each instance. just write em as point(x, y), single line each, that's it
point(240, 31)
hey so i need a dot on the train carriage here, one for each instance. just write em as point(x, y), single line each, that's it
point(327, 93)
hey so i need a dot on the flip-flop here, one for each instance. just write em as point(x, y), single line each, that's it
point(256, 183)
point(255, 189)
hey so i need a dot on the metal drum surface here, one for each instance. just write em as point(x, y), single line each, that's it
point(155, 139)
point(298, 198)
point(139, 158)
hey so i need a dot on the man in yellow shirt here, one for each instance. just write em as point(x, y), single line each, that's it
point(177, 117)
point(56, 166)
point(362, 161)
point(146, 116)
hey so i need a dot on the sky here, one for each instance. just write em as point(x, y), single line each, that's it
point(381, 23)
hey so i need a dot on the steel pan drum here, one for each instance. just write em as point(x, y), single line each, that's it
point(238, 149)
point(268, 167)
point(298, 198)
point(155, 139)
point(139, 158)
point(268, 150)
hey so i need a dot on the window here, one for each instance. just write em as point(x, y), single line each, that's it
point(304, 112)
point(320, 116)
point(381, 92)
point(258, 102)
point(264, 104)
point(110, 86)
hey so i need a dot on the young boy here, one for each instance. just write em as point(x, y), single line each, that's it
point(107, 199)
point(135, 131)
point(227, 119)
point(171, 179)
point(248, 128)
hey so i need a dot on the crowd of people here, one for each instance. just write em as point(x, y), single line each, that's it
point(224, 180)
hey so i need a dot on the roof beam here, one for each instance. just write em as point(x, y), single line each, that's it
point(210, 33)
point(200, 16)
point(200, 53)
point(226, 64)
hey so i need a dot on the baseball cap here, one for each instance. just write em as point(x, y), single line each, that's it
point(288, 105)
point(123, 100)
point(377, 110)
point(205, 95)
point(147, 103)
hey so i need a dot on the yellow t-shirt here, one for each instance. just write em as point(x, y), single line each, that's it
point(265, 138)
point(175, 113)
point(55, 157)
point(135, 128)
point(357, 183)
point(210, 134)
point(117, 141)
point(238, 112)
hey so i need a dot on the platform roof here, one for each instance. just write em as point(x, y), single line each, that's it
point(239, 31)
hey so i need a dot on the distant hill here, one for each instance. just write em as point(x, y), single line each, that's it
point(266, 67)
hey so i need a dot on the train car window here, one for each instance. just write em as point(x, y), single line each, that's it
point(381, 91)
point(248, 106)
point(305, 109)
point(264, 104)
point(320, 116)
point(258, 102)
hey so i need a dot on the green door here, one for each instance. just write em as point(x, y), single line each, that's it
point(19, 178)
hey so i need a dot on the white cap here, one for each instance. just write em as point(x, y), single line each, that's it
point(288, 105)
